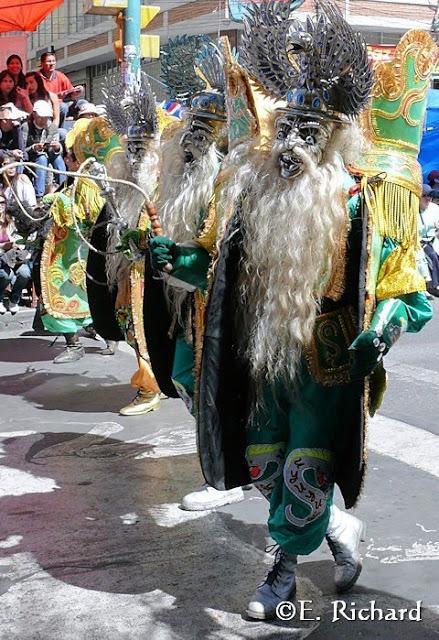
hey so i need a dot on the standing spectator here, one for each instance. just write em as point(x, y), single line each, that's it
point(58, 83)
point(16, 273)
point(17, 183)
point(37, 91)
point(9, 92)
point(12, 135)
point(14, 65)
point(43, 145)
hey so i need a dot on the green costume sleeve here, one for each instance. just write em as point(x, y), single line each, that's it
point(396, 315)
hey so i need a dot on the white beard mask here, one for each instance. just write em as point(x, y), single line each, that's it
point(185, 190)
point(129, 203)
point(291, 229)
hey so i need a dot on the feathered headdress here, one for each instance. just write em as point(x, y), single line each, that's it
point(131, 111)
point(193, 70)
point(177, 67)
point(320, 67)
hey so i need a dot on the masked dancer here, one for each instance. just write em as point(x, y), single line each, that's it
point(309, 291)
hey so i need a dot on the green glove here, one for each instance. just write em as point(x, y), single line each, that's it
point(388, 323)
point(367, 351)
point(163, 251)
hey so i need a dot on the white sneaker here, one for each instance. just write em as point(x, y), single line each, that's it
point(343, 536)
point(14, 308)
point(2, 308)
point(208, 498)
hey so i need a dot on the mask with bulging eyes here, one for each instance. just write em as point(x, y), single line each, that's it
point(295, 135)
point(196, 140)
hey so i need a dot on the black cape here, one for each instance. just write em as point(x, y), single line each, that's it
point(225, 385)
point(101, 299)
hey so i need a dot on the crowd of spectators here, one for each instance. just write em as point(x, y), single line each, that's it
point(35, 108)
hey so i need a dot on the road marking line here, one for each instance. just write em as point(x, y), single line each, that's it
point(411, 373)
point(405, 443)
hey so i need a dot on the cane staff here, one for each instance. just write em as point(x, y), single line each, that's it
point(156, 227)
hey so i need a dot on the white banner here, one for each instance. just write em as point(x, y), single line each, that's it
point(10, 45)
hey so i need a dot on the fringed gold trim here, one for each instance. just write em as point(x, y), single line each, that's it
point(136, 293)
point(394, 211)
point(365, 453)
point(136, 302)
point(44, 270)
point(208, 233)
point(369, 302)
point(199, 324)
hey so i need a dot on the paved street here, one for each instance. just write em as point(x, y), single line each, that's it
point(93, 544)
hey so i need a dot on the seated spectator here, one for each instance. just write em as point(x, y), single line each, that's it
point(15, 265)
point(428, 226)
point(12, 132)
point(58, 83)
point(17, 185)
point(9, 92)
point(37, 91)
point(14, 65)
point(43, 145)
point(429, 212)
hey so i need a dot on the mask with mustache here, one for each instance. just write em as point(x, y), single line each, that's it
point(298, 136)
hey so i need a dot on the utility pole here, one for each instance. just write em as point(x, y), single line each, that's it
point(435, 22)
point(131, 44)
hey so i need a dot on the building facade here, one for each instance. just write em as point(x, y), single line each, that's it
point(84, 43)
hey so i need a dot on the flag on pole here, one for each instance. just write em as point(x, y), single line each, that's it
point(237, 9)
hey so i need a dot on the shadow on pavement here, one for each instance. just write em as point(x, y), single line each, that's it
point(71, 392)
point(28, 349)
point(206, 565)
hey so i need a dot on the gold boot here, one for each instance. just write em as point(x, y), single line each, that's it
point(144, 402)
